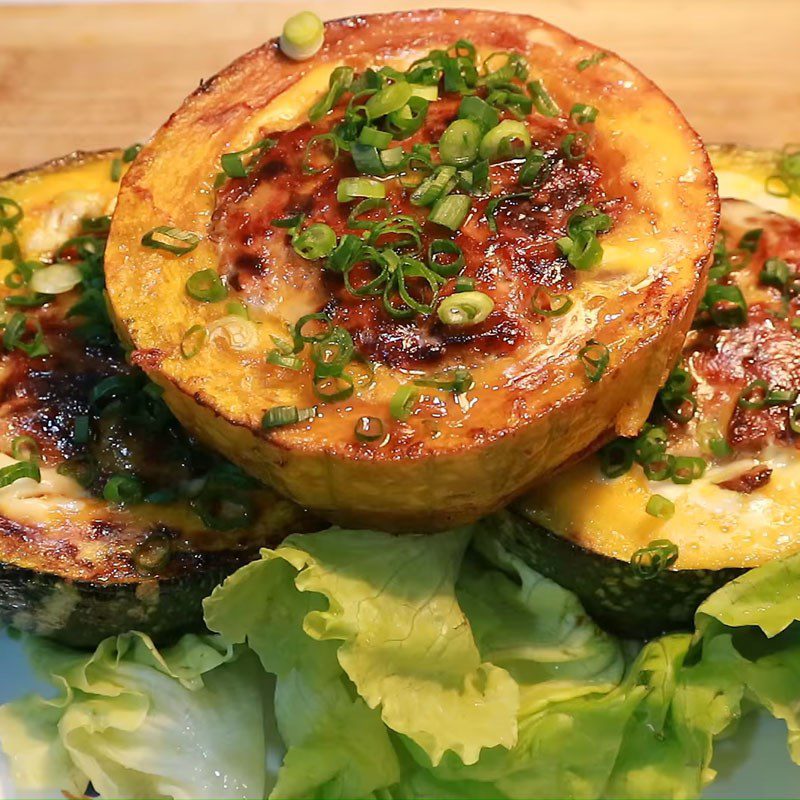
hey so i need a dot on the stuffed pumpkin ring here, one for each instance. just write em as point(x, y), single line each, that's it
point(401, 280)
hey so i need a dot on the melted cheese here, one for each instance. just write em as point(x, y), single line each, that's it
point(712, 527)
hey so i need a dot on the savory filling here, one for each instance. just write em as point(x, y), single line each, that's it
point(425, 218)
point(105, 460)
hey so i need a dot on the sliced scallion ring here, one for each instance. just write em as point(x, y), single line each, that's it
point(24, 448)
point(556, 304)
point(316, 241)
point(233, 165)
point(302, 36)
point(542, 100)
point(206, 285)
point(351, 188)
point(279, 416)
point(595, 357)
point(173, 240)
point(369, 429)
point(660, 507)
point(450, 211)
point(391, 98)
point(403, 401)
point(22, 469)
point(279, 359)
point(465, 308)
point(122, 490)
point(239, 333)
point(509, 139)
point(193, 340)
point(453, 257)
point(652, 560)
point(458, 145)
point(583, 114)
point(55, 278)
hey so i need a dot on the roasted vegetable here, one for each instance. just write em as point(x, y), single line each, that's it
point(715, 474)
point(111, 518)
point(500, 255)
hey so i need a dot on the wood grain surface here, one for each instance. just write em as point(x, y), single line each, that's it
point(97, 75)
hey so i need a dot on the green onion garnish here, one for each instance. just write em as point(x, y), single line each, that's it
point(339, 82)
point(453, 261)
point(652, 560)
point(574, 145)
point(116, 169)
point(333, 353)
point(391, 98)
point(616, 458)
point(10, 220)
point(17, 328)
point(781, 397)
point(583, 114)
point(316, 241)
point(434, 186)
point(726, 305)
point(279, 359)
point(595, 357)
point(402, 403)
point(660, 507)
point(302, 36)
point(754, 395)
point(531, 168)
point(465, 308)
point(306, 330)
point(458, 145)
point(450, 211)
point(509, 139)
point(585, 63)
point(464, 284)
point(205, 285)
point(542, 100)
point(750, 240)
point(193, 340)
point(122, 490)
point(173, 240)
point(678, 407)
point(794, 419)
point(81, 429)
point(369, 429)
point(279, 416)
point(333, 388)
point(373, 137)
point(350, 188)
point(479, 111)
point(234, 167)
point(15, 472)
point(555, 305)
point(685, 469)
point(775, 273)
point(458, 381)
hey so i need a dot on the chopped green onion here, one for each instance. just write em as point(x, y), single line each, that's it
point(81, 429)
point(339, 82)
point(236, 308)
point(302, 36)
point(750, 240)
point(465, 308)
point(286, 415)
point(616, 458)
point(652, 441)
point(509, 139)
point(434, 186)
point(458, 381)
point(542, 100)
point(16, 328)
point(479, 111)
point(678, 407)
point(130, 153)
point(652, 560)
point(232, 164)
point(686, 469)
point(459, 144)
point(391, 98)
point(374, 138)
point(153, 554)
point(530, 170)
point(794, 419)
point(595, 357)
point(333, 388)
point(22, 469)
point(116, 169)
point(494, 204)
point(316, 241)
point(279, 359)
point(409, 119)
point(122, 490)
point(585, 63)
point(173, 240)
point(455, 257)
point(206, 285)
point(402, 403)
point(369, 429)
point(24, 448)
point(726, 305)
point(450, 211)
point(55, 279)
point(333, 353)
point(318, 143)
point(346, 253)
point(775, 273)
point(193, 340)
point(10, 221)
point(754, 395)
point(350, 188)
point(301, 337)
point(781, 397)
point(240, 333)
point(464, 284)
point(557, 304)
point(583, 114)
point(660, 507)
point(574, 145)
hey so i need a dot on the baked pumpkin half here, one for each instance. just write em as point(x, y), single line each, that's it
point(467, 244)
point(111, 518)
point(646, 529)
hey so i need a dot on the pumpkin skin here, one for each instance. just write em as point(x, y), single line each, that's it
point(532, 407)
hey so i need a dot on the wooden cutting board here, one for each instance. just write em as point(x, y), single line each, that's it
point(84, 76)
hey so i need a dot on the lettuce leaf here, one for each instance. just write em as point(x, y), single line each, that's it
point(186, 722)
